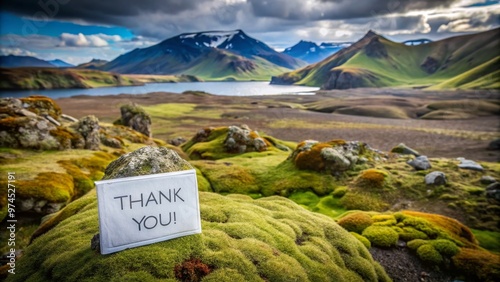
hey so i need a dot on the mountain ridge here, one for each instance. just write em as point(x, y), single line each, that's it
point(375, 61)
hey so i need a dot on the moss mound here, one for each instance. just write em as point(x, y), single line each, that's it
point(224, 142)
point(243, 240)
point(356, 222)
point(381, 236)
point(372, 178)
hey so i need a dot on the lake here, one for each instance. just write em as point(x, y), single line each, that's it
point(252, 88)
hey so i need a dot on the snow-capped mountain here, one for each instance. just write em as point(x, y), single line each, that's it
point(311, 52)
point(210, 54)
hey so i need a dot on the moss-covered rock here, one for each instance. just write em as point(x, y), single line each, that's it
point(42, 105)
point(356, 222)
point(244, 239)
point(381, 236)
point(136, 118)
point(334, 157)
point(146, 160)
point(223, 142)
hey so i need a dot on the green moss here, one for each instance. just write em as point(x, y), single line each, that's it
point(429, 254)
point(340, 191)
point(489, 240)
point(356, 222)
point(445, 247)
point(362, 239)
point(363, 201)
point(243, 239)
point(416, 243)
point(50, 186)
point(384, 220)
point(409, 233)
point(381, 236)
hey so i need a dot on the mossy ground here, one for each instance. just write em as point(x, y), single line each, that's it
point(242, 240)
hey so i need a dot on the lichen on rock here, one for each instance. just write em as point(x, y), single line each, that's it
point(136, 118)
point(146, 160)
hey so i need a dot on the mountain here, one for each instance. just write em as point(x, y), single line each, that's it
point(60, 63)
point(12, 61)
point(468, 61)
point(93, 64)
point(212, 55)
point(312, 53)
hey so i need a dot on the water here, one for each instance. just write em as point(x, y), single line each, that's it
point(217, 88)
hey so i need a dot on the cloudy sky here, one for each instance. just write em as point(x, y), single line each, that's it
point(78, 30)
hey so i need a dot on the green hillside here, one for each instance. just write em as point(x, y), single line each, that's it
point(469, 61)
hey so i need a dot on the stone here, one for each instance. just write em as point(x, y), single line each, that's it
point(420, 163)
point(493, 191)
point(404, 150)
point(42, 106)
point(486, 179)
point(146, 160)
point(88, 127)
point(136, 118)
point(435, 178)
point(52, 120)
point(335, 160)
point(69, 118)
point(177, 141)
point(494, 145)
point(469, 164)
point(111, 142)
point(241, 139)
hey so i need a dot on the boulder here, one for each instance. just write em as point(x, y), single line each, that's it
point(468, 164)
point(42, 106)
point(494, 145)
point(404, 150)
point(88, 127)
point(435, 178)
point(493, 190)
point(420, 163)
point(146, 160)
point(177, 141)
point(334, 157)
point(136, 118)
point(241, 139)
point(486, 179)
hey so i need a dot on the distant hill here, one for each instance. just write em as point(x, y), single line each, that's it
point(311, 52)
point(93, 64)
point(212, 55)
point(12, 61)
point(60, 63)
point(52, 78)
point(468, 61)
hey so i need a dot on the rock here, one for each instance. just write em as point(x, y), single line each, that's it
point(88, 127)
point(95, 243)
point(146, 160)
point(420, 163)
point(52, 120)
point(241, 139)
point(110, 141)
point(42, 106)
point(136, 118)
point(494, 145)
point(486, 179)
point(69, 118)
point(493, 191)
point(404, 150)
point(468, 164)
point(435, 178)
point(177, 141)
point(334, 157)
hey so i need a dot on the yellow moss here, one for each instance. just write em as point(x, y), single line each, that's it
point(456, 229)
point(356, 222)
point(311, 159)
point(42, 105)
point(478, 265)
point(372, 178)
point(337, 142)
point(50, 186)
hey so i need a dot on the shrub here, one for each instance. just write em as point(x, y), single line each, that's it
point(429, 254)
point(381, 236)
point(356, 222)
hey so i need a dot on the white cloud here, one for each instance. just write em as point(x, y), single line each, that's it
point(81, 40)
point(16, 52)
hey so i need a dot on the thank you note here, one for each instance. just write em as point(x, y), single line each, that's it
point(142, 210)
